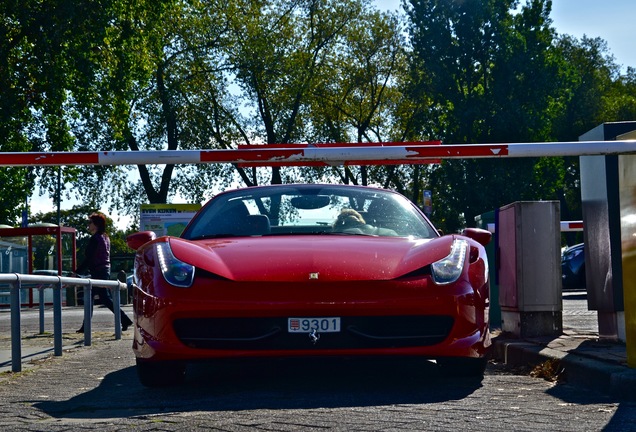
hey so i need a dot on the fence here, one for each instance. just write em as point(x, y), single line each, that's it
point(16, 281)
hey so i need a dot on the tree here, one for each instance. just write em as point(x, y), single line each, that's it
point(587, 74)
point(620, 102)
point(490, 75)
point(45, 48)
point(167, 75)
point(11, 203)
point(283, 52)
point(137, 101)
point(356, 87)
point(207, 61)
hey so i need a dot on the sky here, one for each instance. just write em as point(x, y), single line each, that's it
point(611, 20)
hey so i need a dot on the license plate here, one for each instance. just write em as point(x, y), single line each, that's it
point(308, 325)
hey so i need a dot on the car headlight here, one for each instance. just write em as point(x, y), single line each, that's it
point(174, 271)
point(448, 270)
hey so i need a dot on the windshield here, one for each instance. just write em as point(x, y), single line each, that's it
point(309, 209)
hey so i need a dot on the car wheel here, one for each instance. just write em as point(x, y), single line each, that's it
point(463, 366)
point(160, 374)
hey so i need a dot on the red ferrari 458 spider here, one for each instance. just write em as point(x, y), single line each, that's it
point(309, 270)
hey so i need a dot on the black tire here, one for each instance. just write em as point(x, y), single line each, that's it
point(463, 366)
point(160, 374)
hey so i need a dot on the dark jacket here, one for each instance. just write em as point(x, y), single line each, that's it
point(97, 256)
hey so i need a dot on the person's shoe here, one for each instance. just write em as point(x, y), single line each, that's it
point(124, 327)
point(81, 330)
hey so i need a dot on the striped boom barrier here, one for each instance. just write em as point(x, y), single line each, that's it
point(571, 226)
point(566, 226)
point(344, 154)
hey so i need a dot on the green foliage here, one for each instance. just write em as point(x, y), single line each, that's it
point(498, 73)
point(46, 51)
point(355, 96)
point(39, 44)
point(586, 75)
point(13, 199)
point(101, 75)
point(489, 73)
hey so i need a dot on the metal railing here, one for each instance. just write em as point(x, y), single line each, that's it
point(16, 281)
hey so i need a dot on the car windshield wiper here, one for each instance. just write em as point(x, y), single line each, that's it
point(292, 233)
point(350, 233)
point(212, 236)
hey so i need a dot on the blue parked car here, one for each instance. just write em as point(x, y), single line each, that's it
point(573, 267)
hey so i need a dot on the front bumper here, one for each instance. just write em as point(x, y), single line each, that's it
point(410, 322)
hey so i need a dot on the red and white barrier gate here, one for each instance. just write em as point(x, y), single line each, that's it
point(567, 226)
point(323, 154)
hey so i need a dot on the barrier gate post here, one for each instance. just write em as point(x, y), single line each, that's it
point(608, 219)
point(627, 176)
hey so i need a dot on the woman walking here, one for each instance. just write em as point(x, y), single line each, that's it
point(97, 263)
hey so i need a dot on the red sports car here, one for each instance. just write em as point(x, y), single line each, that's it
point(309, 270)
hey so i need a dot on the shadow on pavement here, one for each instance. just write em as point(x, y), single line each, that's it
point(275, 384)
point(623, 418)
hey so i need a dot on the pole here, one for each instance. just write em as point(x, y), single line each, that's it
point(57, 318)
point(16, 341)
point(88, 312)
point(58, 198)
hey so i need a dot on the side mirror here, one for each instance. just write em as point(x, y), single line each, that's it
point(138, 239)
point(479, 235)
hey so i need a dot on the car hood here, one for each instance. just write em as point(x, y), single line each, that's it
point(298, 258)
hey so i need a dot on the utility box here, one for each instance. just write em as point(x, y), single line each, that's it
point(529, 268)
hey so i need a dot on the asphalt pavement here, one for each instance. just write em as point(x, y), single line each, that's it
point(577, 356)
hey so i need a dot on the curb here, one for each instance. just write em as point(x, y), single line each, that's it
point(605, 377)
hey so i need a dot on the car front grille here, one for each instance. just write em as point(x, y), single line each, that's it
point(269, 333)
